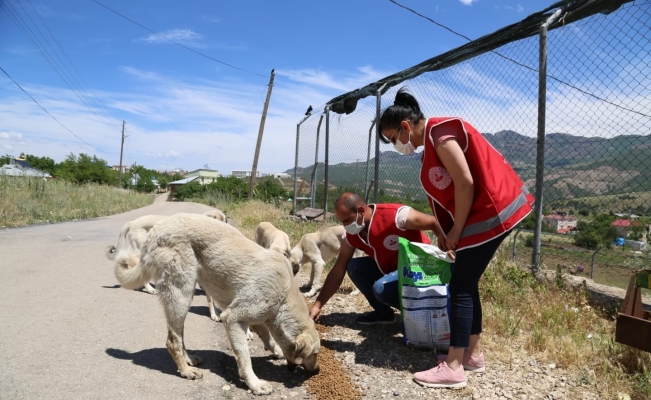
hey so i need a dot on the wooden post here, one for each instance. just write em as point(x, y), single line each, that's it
point(121, 148)
point(254, 170)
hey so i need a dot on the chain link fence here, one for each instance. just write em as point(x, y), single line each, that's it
point(596, 208)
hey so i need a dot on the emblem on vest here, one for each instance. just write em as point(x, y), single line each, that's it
point(439, 177)
point(391, 242)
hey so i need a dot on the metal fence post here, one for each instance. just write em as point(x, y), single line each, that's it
point(592, 263)
point(540, 143)
point(378, 132)
point(298, 133)
point(327, 158)
point(515, 242)
point(316, 165)
point(368, 161)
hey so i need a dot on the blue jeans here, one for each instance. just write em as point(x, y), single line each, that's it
point(380, 290)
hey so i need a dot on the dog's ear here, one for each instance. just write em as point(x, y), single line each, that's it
point(300, 349)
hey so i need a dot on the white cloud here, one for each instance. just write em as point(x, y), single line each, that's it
point(342, 82)
point(517, 8)
point(186, 123)
point(11, 135)
point(185, 36)
point(467, 2)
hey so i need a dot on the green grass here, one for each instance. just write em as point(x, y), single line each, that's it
point(28, 201)
point(558, 326)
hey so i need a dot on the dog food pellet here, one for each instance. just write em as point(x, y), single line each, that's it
point(332, 382)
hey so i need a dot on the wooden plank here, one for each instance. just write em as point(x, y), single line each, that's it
point(633, 300)
point(634, 332)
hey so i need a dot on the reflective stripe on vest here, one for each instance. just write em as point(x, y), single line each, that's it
point(505, 214)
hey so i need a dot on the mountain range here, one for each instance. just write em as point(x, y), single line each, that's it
point(575, 166)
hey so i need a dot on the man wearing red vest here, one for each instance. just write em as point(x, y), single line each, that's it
point(373, 228)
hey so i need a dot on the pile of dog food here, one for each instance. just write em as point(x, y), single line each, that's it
point(332, 382)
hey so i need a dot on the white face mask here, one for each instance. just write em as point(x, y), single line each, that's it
point(353, 228)
point(404, 148)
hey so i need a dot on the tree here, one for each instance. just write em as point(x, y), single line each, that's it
point(42, 163)
point(86, 169)
point(5, 159)
point(599, 232)
point(269, 189)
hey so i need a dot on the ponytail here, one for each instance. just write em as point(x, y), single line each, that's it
point(405, 107)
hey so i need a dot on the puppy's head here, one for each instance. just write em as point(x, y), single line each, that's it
point(304, 351)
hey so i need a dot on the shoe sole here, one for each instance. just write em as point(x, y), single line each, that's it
point(474, 369)
point(455, 386)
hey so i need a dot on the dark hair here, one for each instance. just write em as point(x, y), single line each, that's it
point(405, 107)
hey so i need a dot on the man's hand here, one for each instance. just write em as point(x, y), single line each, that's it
point(314, 313)
point(452, 255)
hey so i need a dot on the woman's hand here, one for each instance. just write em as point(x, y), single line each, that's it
point(440, 242)
point(452, 239)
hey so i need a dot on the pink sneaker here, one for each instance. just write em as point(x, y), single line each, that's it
point(441, 376)
point(470, 363)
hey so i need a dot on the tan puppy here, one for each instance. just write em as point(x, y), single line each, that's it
point(252, 285)
point(272, 238)
point(317, 248)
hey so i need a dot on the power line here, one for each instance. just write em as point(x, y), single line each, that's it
point(177, 43)
point(524, 65)
point(48, 113)
point(69, 60)
point(31, 36)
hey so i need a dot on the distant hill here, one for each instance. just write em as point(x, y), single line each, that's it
point(575, 166)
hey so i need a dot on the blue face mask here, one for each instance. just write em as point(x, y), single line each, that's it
point(353, 228)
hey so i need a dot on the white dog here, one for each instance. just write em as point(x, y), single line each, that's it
point(317, 248)
point(272, 238)
point(132, 238)
point(253, 286)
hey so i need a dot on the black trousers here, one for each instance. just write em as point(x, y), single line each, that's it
point(465, 312)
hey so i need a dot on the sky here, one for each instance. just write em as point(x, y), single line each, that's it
point(183, 110)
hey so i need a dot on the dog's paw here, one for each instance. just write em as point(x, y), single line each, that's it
point(278, 352)
point(249, 334)
point(263, 387)
point(193, 360)
point(354, 292)
point(192, 373)
point(311, 293)
point(215, 318)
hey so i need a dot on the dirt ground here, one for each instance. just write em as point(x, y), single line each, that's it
point(69, 331)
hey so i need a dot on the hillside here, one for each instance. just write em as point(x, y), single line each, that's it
point(575, 166)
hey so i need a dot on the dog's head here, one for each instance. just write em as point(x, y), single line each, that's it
point(304, 351)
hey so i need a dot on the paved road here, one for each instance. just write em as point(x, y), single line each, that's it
point(67, 330)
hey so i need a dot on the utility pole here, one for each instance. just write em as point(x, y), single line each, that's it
point(121, 148)
point(254, 170)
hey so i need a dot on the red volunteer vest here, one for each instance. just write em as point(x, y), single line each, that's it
point(500, 199)
point(383, 236)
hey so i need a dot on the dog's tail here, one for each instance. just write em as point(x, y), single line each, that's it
point(110, 252)
point(129, 271)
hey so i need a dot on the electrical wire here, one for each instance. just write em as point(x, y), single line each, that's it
point(71, 63)
point(177, 43)
point(31, 36)
point(48, 113)
point(524, 65)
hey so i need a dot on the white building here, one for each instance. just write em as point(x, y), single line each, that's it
point(245, 173)
point(204, 176)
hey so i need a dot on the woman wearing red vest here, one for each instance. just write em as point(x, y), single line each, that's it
point(477, 198)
